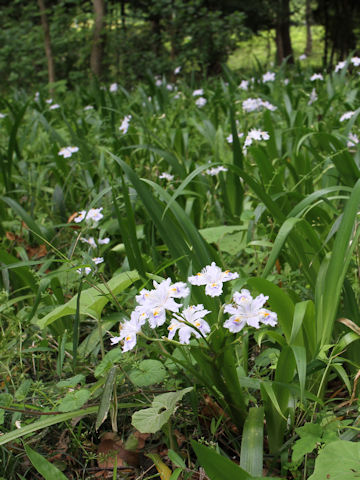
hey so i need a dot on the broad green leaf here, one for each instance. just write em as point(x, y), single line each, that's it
point(93, 300)
point(74, 400)
point(72, 381)
point(111, 357)
point(339, 460)
point(251, 454)
point(148, 372)
point(215, 234)
point(218, 467)
point(330, 281)
point(310, 436)
point(43, 466)
point(150, 420)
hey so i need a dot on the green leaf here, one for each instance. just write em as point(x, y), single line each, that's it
point(339, 460)
point(72, 381)
point(44, 423)
point(251, 455)
point(216, 466)
point(310, 436)
point(92, 301)
point(111, 357)
point(43, 466)
point(150, 420)
point(215, 234)
point(148, 373)
point(74, 400)
point(106, 398)
point(176, 459)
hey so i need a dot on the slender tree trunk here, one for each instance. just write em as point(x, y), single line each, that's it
point(47, 41)
point(308, 20)
point(282, 30)
point(98, 38)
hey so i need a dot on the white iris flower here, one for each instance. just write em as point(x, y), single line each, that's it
point(246, 310)
point(213, 278)
point(193, 315)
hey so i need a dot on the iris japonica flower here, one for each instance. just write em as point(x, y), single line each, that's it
point(113, 87)
point(353, 140)
point(268, 77)
point(153, 304)
point(66, 152)
point(2, 115)
point(54, 106)
point(177, 70)
point(316, 76)
point(244, 85)
point(198, 92)
point(128, 332)
point(215, 170)
point(193, 315)
point(346, 116)
point(253, 104)
point(246, 310)
point(213, 278)
point(200, 102)
point(302, 57)
point(313, 97)
point(355, 61)
point(254, 134)
point(124, 127)
point(94, 215)
point(339, 66)
point(166, 176)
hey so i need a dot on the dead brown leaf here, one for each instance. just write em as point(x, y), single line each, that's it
point(111, 452)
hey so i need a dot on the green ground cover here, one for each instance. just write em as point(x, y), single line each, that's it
point(179, 278)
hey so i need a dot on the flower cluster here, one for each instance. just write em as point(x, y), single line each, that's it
point(254, 104)
point(153, 305)
point(87, 270)
point(254, 134)
point(215, 170)
point(91, 241)
point(246, 310)
point(66, 152)
point(93, 215)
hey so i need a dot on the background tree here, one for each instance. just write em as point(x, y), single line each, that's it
point(47, 41)
point(98, 38)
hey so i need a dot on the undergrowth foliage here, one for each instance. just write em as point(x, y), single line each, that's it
point(181, 248)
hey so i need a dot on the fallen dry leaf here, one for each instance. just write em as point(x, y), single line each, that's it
point(111, 452)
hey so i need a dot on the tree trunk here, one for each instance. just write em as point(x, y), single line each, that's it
point(282, 31)
point(308, 20)
point(98, 38)
point(47, 41)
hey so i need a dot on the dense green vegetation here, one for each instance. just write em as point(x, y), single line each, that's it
point(179, 250)
point(105, 190)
